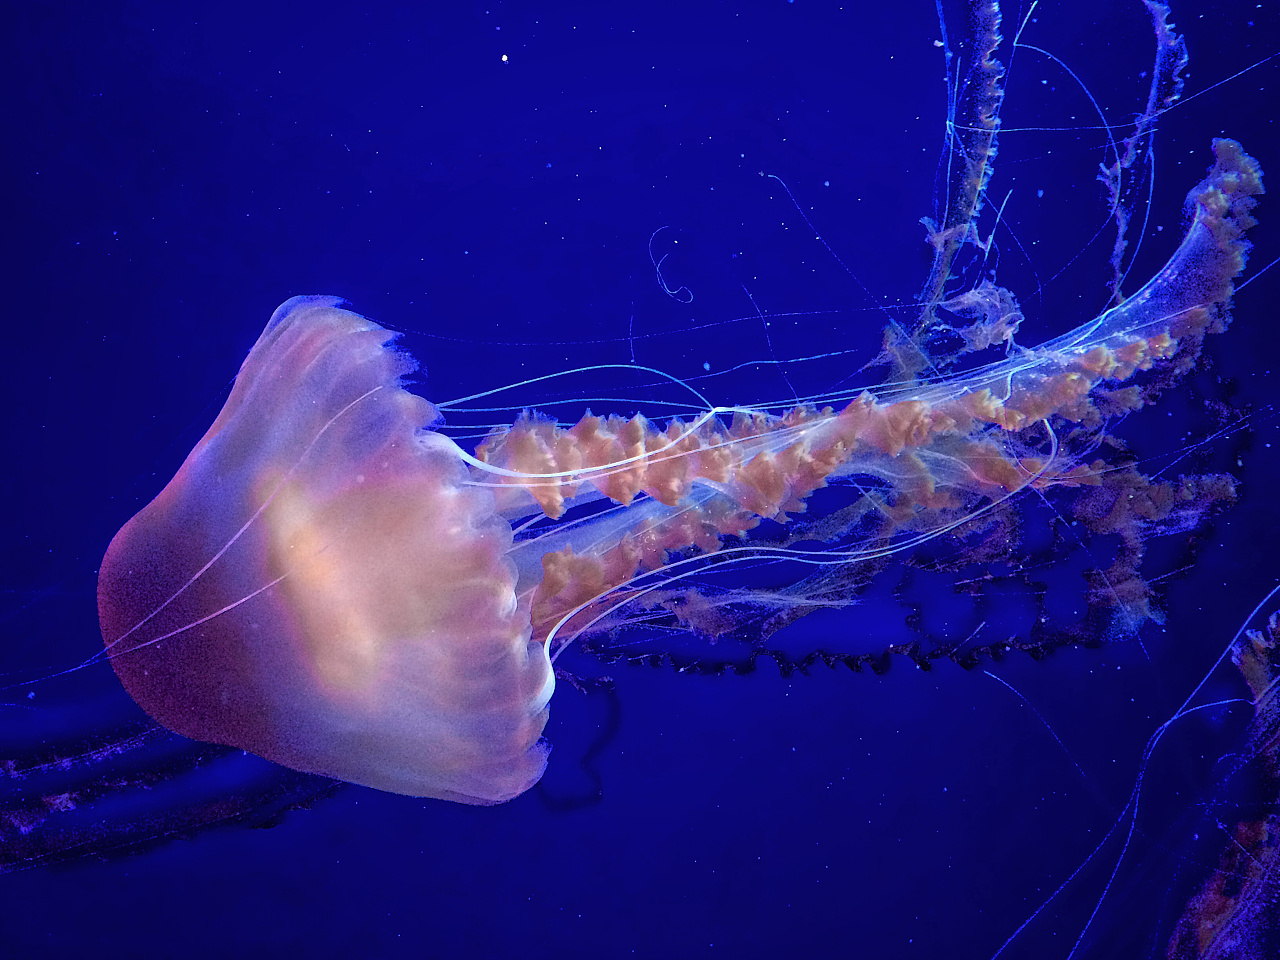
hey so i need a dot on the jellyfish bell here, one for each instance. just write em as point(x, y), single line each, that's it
point(319, 586)
point(329, 583)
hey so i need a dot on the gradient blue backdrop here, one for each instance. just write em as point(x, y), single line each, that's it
point(487, 178)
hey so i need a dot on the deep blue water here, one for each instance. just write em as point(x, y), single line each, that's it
point(489, 179)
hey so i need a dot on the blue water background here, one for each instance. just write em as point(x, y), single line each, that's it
point(487, 178)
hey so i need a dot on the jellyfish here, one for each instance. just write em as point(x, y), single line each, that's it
point(332, 584)
point(1233, 912)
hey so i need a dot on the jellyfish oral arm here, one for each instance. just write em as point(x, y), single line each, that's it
point(937, 446)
